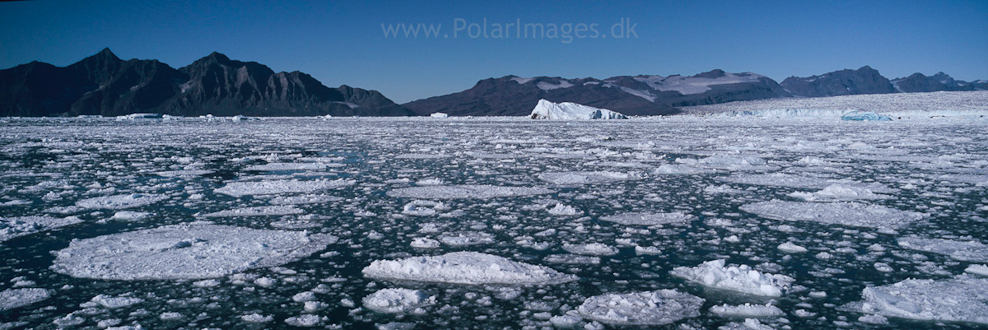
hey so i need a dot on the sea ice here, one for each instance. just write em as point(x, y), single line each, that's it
point(397, 300)
point(972, 251)
point(255, 211)
point(572, 178)
point(641, 308)
point(465, 268)
point(981, 270)
point(591, 249)
point(185, 251)
point(747, 311)
point(735, 278)
point(838, 192)
point(125, 201)
point(15, 298)
point(838, 213)
point(961, 299)
point(21, 226)
point(238, 189)
point(789, 247)
point(465, 191)
point(649, 219)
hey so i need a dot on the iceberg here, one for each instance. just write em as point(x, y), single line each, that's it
point(465, 268)
point(862, 115)
point(397, 300)
point(735, 278)
point(185, 251)
point(641, 308)
point(961, 299)
point(571, 111)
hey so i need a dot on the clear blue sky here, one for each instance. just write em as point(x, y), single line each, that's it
point(343, 42)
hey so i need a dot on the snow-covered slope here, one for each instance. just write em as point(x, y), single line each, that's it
point(571, 111)
point(893, 105)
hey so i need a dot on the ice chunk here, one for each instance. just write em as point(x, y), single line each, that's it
point(465, 191)
point(746, 310)
point(641, 308)
point(981, 270)
point(290, 167)
point(838, 192)
point(570, 178)
point(789, 247)
point(571, 111)
point(439, 115)
point(186, 251)
point(16, 298)
point(735, 278)
point(466, 238)
point(238, 189)
point(256, 318)
point(839, 213)
point(649, 219)
point(964, 251)
point(748, 324)
point(424, 243)
point(304, 320)
point(465, 268)
point(21, 226)
point(591, 249)
point(130, 215)
point(564, 210)
point(680, 169)
point(422, 208)
point(112, 302)
point(397, 300)
point(862, 115)
point(960, 299)
point(256, 211)
point(120, 201)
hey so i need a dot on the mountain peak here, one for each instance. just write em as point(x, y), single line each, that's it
point(712, 74)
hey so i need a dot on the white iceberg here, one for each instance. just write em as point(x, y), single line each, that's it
point(397, 300)
point(239, 189)
point(641, 308)
point(21, 226)
point(591, 249)
point(838, 192)
point(649, 219)
point(838, 213)
point(964, 251)
point(186, 251)
point(465, 191)
point(16, 298)
point(571, 111)
point(961, 299)
point(125, 201)
point(465, 268)
point(735, 278)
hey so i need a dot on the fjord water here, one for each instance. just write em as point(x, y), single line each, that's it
point(551, 194)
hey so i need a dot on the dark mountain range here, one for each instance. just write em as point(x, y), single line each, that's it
point(103, 84)
point(630, 95)
point(918, 83)
point(844, 82)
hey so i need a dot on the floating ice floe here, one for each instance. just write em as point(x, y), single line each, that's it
point(571, 111)
point(465, 191)
point(980, 270)
point(238, 189)
point(466, 238)
point(964, 251)
point(570, 178)
point(649, 219)
point(423, 208)
point(186, 251)
point(424, 243)
point(304, 199)
point(747, 311)
point(680, 169)
point(748, 324)
point(397, 300)
point(838, 192)
point(125, 201)
point(789, 247)
point(591, 249)
point(572, 259)
point(960, 299)
point(564, 210)
point(111, 302)
point(130, 215)
point(801, 182)
point(255, 211)
point(641, 308)
point(465, 268)
point(21, 226)
point(838, 213)
point(742, 278)
point(16, 298)
point(291, 167)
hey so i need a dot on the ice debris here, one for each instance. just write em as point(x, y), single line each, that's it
point(465, 268)
point(735, 278)
point(641, 308)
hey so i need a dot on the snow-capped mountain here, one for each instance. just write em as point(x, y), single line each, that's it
point(630, 95)
point(103, 84)
point(571, 111)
